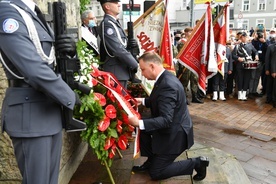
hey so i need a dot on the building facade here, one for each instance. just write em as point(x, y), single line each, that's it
point(244, 14)
point(250, 13)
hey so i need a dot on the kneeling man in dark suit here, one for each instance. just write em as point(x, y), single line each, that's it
point(169, 130)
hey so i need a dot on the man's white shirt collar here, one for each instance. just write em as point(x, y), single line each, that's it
point(112, 17)
point(159, 75)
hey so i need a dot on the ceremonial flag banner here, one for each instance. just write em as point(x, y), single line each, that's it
point(166, 52)
point(198, 53)
point(221, 30)
point(151, 30)
point(204, 1)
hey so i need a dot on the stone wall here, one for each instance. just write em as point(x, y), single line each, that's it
point(73, 149)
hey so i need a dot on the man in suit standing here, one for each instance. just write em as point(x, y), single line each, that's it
point(89, 30)
point(113, 46)
point(169, 131)
point(31, 111)
point(270, 71)
point(89, 21)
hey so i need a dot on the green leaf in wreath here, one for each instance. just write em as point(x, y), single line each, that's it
point(112, 133)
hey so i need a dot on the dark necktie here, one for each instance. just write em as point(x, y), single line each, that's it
point(40, 16)
point(90, 29)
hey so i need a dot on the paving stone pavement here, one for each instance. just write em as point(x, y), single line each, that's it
point(245, 129)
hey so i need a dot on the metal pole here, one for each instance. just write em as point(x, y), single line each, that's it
point(192, 13)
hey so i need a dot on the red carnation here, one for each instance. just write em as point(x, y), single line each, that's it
point(100, 98)
point(110, 111)
point(109, 142)
point(125, 117)
point(112, 151)
point(122, 142)
point(119, 126)
point(104, 124)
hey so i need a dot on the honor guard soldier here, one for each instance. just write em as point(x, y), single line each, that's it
point(113, 45)
point(31, 111)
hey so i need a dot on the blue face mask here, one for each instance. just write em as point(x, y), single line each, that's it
point(91, 23)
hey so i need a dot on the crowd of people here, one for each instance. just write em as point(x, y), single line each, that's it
point(249, 62)
point(39, 96)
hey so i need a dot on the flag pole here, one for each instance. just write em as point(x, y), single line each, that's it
point(190, 37)
point(147, 12)
point(220, 13)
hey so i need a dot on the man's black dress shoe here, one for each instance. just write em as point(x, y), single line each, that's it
point(268, 101)
point(141, 168)
point(196, 99)
point(251, 95)
point(201, 168)
point(257, 94)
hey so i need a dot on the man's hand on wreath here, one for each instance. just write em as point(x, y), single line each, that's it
point(133, 120)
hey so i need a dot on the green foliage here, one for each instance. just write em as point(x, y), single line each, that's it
point(214, 11)
point(83, 4)
point(93, 114)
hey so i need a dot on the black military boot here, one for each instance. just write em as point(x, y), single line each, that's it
point(196, 99)
point(200, 94)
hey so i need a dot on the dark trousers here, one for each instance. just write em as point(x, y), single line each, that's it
point(219, 82)
point(264, 78)
point(269, 87)
point(255, 78)
point(38, 158)
point(230, 80)
point(274, 90)
point(243, 79)
point(163, 165)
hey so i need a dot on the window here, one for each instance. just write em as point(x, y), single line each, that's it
point(231, 14)
point(260, 21)
point(184, 4)
point(274, 23)
point(245, 5)
point(98, 10)
point(245, 24)
point(261, 5)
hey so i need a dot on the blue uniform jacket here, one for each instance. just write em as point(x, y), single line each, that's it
point(30, 111)
point(113, 52)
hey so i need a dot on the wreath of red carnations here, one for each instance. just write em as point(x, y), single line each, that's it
point(108, 130)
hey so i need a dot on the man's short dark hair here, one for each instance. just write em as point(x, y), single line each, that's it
point(243, 34)
point(151, 56)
